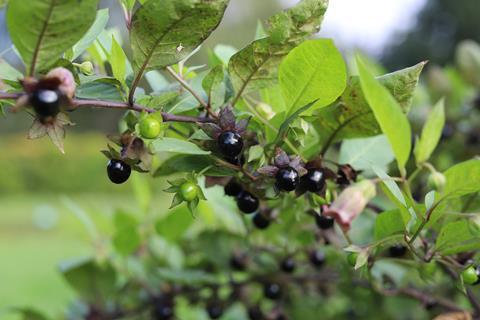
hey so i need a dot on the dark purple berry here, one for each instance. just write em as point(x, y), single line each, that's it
point(247, 202)
point(272, 291)
point(287, 179)
point(317, 258)
point(214, 310)
point(255, 313)
point(314, 180)
point(230, 144)
point(238, 262)
point(260, 221)
point(118, 171)
point(397, 251)
point(324, 222)
point(233, 189)
point(288, 265)
point(163, 309)
point(46, 103)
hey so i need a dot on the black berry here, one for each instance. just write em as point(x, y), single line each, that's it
point(233, 189)
point(255, 313)
point(247, 202)
point(314, 180)
point(317, 258)
point(230, 144)
point(324, 222)
point(214, 310)
point(397, 251)
point(287, 179)
point(238, 262)
point(272, 291)
point(260, 221)
point(118, 171)
point(46, 103)
point(163, 309)
point(288, 265)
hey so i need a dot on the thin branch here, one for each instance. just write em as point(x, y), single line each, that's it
point(187, 87)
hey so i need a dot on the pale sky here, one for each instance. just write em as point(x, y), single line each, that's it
point(367, 24)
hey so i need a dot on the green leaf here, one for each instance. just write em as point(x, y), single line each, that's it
point(459, 236)
point(28, 314)
point(190, 277)
point(256, 66)
point(176, 146)
point(93, 282)
point(364, 152)
point(42, 30)
point(431, 133)
point(7, 72)
point(353, 118)
point(314, 70)
point(174, 225)
point(389, 115)
point(282, 132)
point(126, 238)
point(118, 61)
point(95, 30)
point(165, 32)
point(214, 86)
point(389, 223)
point(191, 163)
point(102, 89)
point(462, 179)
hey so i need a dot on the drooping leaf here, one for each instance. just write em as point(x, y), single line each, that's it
point(459, 236)
point(431, 133)
point(42, 30)
point(256, 66)
point(389, 115)
point(362, 153)
point(176, 146)
point(165, 32)
point(462, 179)
point(314, 70)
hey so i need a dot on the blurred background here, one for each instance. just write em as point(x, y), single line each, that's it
point(43, 193)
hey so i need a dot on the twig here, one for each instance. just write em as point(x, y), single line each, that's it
point(187, 87)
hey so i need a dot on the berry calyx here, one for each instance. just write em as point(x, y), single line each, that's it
point(324, 222)
point(233, 189)
point(314, 180)
point(150, 128)
point(46, 103)
point(214, 310)
point(260, 221)
point(247, 202)
point(272, 291)
point(188, 191)
point(288, 265)
point(471, 275)
point(287, 179)
point(230, 144)
point(118, 171)
point(397, 251)
point(317, 258)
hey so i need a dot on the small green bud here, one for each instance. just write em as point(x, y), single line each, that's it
point(86, 68)
point(436, 181)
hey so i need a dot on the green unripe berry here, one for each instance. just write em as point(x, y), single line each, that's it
point(436, 181)
point(150, 128)
point(352, 258)
point(470, 275)
point(188, 191)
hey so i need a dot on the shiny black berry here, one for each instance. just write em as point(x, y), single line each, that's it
point(317, 258)
point(397, 251)
point(118, 171)
point(238, 262)
point(255, 313)
point(288, 265)
point(260, 221)
point(233, 189)
point(46, 103)
point(230, 144)
point(163, 309)
point(287, 179)
point(324, 222)
point(247, 202)
point(214, 310)
point(314, 180)
point(272, 291)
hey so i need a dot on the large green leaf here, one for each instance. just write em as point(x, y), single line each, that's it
point(165, 32)
point(256, 66)
point(176, 146)
point(314, 70)
point(460, 236)
point(431, 133)
point(389, 223)
point(364, 152)
point(42, 30)
point(189, 163)
point(462, 179)
point(389, 115)
point(353, 118)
